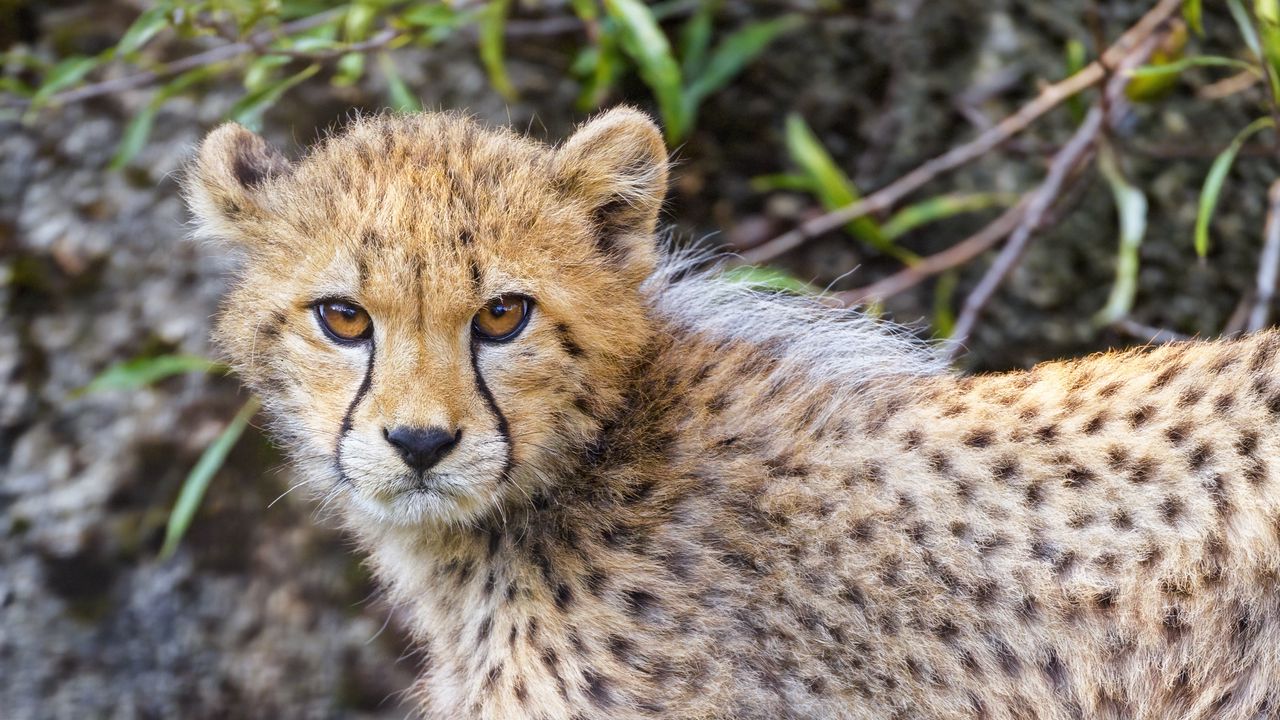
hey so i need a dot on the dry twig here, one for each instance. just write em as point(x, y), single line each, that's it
point(958, 254)
point(1041, 199)
point(958, 156)
point(1268, 263)
point(1148, 333)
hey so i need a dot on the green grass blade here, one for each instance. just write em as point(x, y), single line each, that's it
point(644, 41)
point(1216, 177)
point(493, 23)
point(139, 128)
point(146, 27)
point(140, 372)
point(1193, 13)
point(1178, 66)
point(248, 110)
point(782, 181)
point(695, 40)
point(944, 314)
point(197, 481)
point(769, 279)
point(733, 54)
point(1245, 24)
point(941, 208)
point(402, 98)
point(833, 188)
point(1131, 208)
point(62, 76)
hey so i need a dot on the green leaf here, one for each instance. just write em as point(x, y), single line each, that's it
point(769, 279)
point(1131, 208)
point(1076, 60)
point(1193, 13)
point(197, 481)
point(140, 372)
point(1178, 66)
point(148, 24)
point(695, 40)
point(1268, 15)
point(1245, 25)
point(248, 110)
point(349, 70)
point(648, 47)
point(402, 98)
point(139, 128)
point(358, 21)
point(62, 76)
point(262, 72)
point(493, 22)
point(941, 208)
point(783, 181)
point(732, 55)
point(833, 188)
point(944, 314)
point(1217, 176)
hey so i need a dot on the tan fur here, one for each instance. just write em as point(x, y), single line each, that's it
point(709, 503)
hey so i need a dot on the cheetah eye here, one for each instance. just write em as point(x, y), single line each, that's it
point(343, 321)
point(502, 318)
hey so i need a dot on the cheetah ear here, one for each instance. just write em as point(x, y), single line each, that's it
point(616, 165)
point(228, 182)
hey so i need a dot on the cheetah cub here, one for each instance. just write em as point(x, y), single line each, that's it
point(610, 485)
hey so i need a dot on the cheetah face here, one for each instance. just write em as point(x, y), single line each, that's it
point(439, 317)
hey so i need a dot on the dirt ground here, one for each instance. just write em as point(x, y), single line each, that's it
point(266, 612)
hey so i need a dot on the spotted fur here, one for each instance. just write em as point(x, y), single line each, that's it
point(677, 498)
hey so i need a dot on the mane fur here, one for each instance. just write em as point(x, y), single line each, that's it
point(843, 347)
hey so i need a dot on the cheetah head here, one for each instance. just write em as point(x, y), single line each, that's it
point(438, 316)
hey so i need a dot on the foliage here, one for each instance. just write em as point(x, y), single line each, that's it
point(273, 46)
point(144, 371)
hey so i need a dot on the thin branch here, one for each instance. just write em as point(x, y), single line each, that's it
point(260, 42)
point(1148, 333)
point(1041, 199)
point(1268, 263)
point(1082, 144)
point(1048, 99)
point(191, 62)
point(954, 256)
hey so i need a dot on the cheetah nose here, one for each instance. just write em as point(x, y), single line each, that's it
point(421, 447)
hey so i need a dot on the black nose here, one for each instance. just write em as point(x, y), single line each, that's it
point(422, 447)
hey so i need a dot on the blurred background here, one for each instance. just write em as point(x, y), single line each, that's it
point(1037, 180)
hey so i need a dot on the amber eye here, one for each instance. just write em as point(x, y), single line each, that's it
point(502, 318)
point(343, 321)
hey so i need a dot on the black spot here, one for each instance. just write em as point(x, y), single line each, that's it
point(1005, 470)
point(639, 602)
point(1200, 455)
point(1008, 661)
point(1178, 433)
point(485, 626)
point(567, 343)
point(1122, 520)
point(564, 596)
point(1174, 624)
point(597, 688)
point(1141, 471)
point(1105, 600)
point(1095, 424)
point(1139, 417)
point(1047, 433)
point(1055, 671)
point(1165, 376)
point(980, 438)
point(621, 648)
point(1078, 477)
point(1171, 509)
